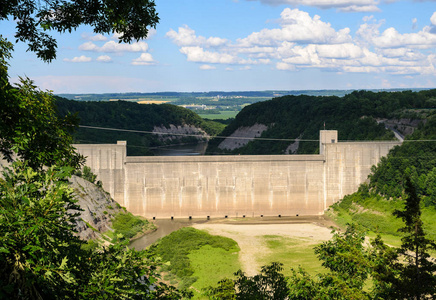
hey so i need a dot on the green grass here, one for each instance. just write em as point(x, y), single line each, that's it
point(128, 225)
point(374, 214)
point(185, 250)
point(224, 115)
point(212, 265)
point(291, 252)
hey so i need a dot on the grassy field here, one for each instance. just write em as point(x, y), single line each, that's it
point(224, 115)
point(152, 101)
point(374, 214)
point(195, 258)
point(148, 100)
point(291, 252)
point(212, 265)
point(215, 259)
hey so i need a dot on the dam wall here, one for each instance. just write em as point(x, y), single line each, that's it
point(250, 185)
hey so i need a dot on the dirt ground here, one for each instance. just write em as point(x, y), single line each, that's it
point(248, 234)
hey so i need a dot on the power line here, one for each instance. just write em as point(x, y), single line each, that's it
point(230, 137)
point(195, 135)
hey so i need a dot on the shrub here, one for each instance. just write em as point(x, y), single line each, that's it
point(176, 247)
point(128, 225)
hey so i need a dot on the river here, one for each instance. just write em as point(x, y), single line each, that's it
point(181, 150)
point(164, 227)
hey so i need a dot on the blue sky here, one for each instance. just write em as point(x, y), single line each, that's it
point(239, 45)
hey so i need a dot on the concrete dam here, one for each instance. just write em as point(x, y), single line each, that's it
point(234, 186)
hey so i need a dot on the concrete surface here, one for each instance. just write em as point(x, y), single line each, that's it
point(250, 185)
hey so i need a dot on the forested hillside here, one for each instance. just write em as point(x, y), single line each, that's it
point(415, 159)
point(134, 116)
point(356, 116)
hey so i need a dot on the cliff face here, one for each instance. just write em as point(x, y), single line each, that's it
point(98, 206)
point(174, 133)
point(404, 126)
point(241, 136)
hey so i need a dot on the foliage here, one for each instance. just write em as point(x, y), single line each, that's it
point(42, 258)
point(175, 248)
point(212, 264)
point(416, 159)
point(38, 250)
point(347, 260)
point(40, 255)
point(128, 225)
point(355, 269)
point(129, 18)
point(406, 272)
point(30, 127)
point(269, 284)
point(88, 175)
point(116, 272)
point(133, 116)
point(418, 279)
point(290, 117)
point(370, 211)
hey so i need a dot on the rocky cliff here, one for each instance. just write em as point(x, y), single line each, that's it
point(241, 136)
point(175, 133)
point(98, 208)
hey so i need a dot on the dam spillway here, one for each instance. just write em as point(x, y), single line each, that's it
point(219, 186)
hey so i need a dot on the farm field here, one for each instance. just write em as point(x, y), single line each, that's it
point(223, 115)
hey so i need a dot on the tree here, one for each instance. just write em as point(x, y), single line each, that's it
point(270, 284)
point(418, 279)
point(29, 125)
point(131, 19)
point(38, 251)
point(347, 259)
point(40, 256)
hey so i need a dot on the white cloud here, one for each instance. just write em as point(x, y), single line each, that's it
point(299, 27)
point(78, 59)
point(302, 41)
point(88, 46)
point(359, 8)
point(116, 36)
point(145, 59)
point(207, 67)
point(186, 37)
point(342, 5)
point(104, 58)
point(96, 84)
point(97, 38)
point(342, 51)
point(433, 19)
point(245, 68)
point(414, 23)
point(285, 67)
point(113, 46)
point(402, 53)
point(391, 38)
point(197, 54)
point(151, 32)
